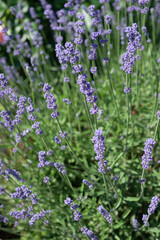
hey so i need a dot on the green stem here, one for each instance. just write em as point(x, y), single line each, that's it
point(127, 102)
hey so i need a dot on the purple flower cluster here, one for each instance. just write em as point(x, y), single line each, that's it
point(9, 171)
point(42, 159)
point(62, 134)
point(154, 204)
point(127, 90)
point(67, 54)
point(104, 213)
point(108, 19)
point(43, 162)
point(24, 193)
point(144, 219)
point(2, 190)
point(57, 140)
point(93, 70)
point(38, 216)
point(99, 147)
point(77, 214)
point(66, 100)
point(50, 99)
point(89, 233)
point(3, 219)
point(85, 88)
point(18, 13)
point(23, 214)
point(60, 167)
point(86, 182)
point(128, 59)
point(143, 2)
point(46, 180)
point(158, 114)
point(135, 224)
point(147, 156)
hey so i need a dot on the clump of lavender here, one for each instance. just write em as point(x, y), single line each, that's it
point(99, 147)
point(77, 214)
point(151, 209)
point(89, 233)
point(127, 89)
point(87, 89)
point(89, 184)
point(43, 162)
point(135, 224)
point(104, 213)
point(158, 114)
point(145, 220)
point(38, 216)
point(154, 204)
point(24, 193)
point(129, 58)
point(51, 101)
point(147, 156)
point(46, 180)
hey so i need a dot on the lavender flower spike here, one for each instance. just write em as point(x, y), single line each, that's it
point(154, 204)
point(146, 158)
point(99, 147)
point(104, 213)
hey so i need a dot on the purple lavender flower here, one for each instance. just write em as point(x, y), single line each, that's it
point(77, 215)
point(158, 114)
point(66, 79)
point(127, 90)
point(74, 206)
point(42, 159)
point(143, 2)
point(144, 29)
point(104, 213)
point(50, 99)
point(57, 140)
point(39, 131)
point(3, 219)
point(32, 12)
point(24, 193)
point(128, 59)
point(46, 180)
point(38, 216)
point(2, 190)
point(84, 230)
point(107, 19)
point(135, 224)
point(36, 125)
point(154, 204)
point(86, 182)
point(115, 178)
point(62, 134)
point(99, 147)
point(144, 219)
point(68, 201)
point(50, 152)
point(67, 101)
point(93, 70)
point(142, 180)
point(89, 233)
point(63, 147)
point(147, 156)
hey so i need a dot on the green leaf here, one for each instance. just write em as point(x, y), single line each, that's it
point(131, 199)
point(118, 203)
point(126, 213)
point(119, 224)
